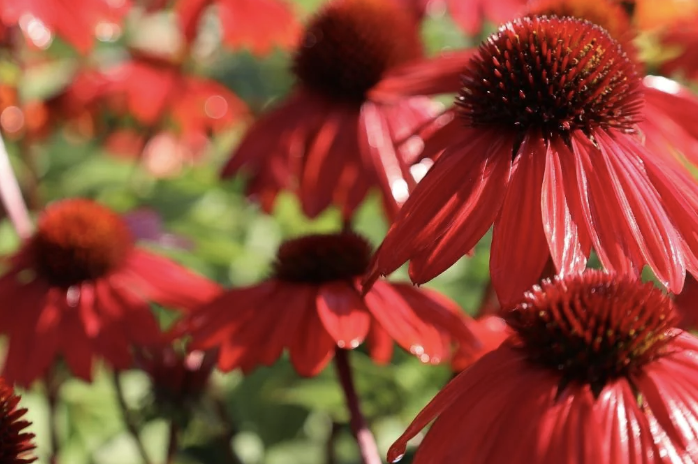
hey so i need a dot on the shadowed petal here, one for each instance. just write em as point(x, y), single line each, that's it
point(472, 220)
point(519, 248)
point(652, 229)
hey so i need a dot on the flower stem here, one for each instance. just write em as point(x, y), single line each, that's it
point(52, 388)
point(229, 430)
point(11, 195)
point(488, 300)
point(330, 457)
point(367, 444)
point(129, 420)
point(173, 443)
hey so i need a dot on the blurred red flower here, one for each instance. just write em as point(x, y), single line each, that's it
point(595, 373)
point(15, 445)
point(258, 25)
point(542, 147)
point(178, 378)
point(681, 41)
point(330, 142)
point(311, 306)
point(77, 21)
point(81, 289)
point(155, 90)
point(470, 15)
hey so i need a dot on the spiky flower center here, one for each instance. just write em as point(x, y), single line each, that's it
point(79, 240)
point(15, 445)
point(317, 259)
point(554, 75)
point(350, 44)
point(607, 14)
point(594, 327)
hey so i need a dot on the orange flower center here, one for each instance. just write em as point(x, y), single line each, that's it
point(79, 240)
point(350, 44)
point(594, 327)
point(316, 259)
point(556, 75)
point(608, 14)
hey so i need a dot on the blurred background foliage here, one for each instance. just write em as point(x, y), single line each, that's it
point(274, 416)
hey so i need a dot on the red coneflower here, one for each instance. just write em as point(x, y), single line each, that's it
point(595, 373)
point(311, 305)
point(77, 21)
point(79, 288)
point(15, 445)
point(258, 25)
point(329, 141)
point(542, 147)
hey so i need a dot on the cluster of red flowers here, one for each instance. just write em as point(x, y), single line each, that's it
point(558, 139)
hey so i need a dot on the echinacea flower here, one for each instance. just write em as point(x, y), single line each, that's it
point(15, 444)
point(258, 25)
point(80, 289)
point(594, 373)
point(312, 305)
point(77, 21)
point(329, 142)
point(543, 146)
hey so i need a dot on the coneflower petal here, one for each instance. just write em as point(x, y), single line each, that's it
point(655, 234)
point(471, 220)
point(343, 313)
point(519, 247)
point(562, 220)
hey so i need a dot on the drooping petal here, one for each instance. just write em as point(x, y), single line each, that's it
point(312, 347)
point(396, 316)
point(472, 219)
point(565, 231)
point(158, 279)
point(607, 229)
point(446, 400)
point(429, 212)
point(669, 388)
point(325, 161)
point(379, 154)
point(519, 248)
point(380, 345)
point(652, 229)
point(343, 314)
